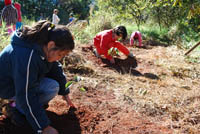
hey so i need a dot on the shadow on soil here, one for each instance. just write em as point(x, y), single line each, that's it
point(65, 124)
point(124, 66)
point(127, 66)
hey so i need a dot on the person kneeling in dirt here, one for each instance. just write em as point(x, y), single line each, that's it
point(107, 39)
point(31, 75)
point(136, 36)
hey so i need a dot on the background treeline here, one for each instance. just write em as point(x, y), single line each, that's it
point(32, 9)
point(168, 21)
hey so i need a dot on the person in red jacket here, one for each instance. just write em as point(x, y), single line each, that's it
point(107, 39)
point(19, 19)
point(136, 36)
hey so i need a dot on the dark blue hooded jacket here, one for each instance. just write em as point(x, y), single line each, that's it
point(22, 65)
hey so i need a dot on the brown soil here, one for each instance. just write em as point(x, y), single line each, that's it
point(100, 109)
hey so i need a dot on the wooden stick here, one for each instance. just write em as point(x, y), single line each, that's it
point(192, 48)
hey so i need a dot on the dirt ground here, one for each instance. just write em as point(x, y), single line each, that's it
point(103, 100)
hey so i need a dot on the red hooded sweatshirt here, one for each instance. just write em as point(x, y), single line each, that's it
point(136, 35)
point(104, 40)
point(18, 7)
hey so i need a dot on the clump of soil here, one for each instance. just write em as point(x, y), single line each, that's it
point(73, 59)
point(81, 70)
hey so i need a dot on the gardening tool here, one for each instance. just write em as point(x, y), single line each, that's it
point(190, 50)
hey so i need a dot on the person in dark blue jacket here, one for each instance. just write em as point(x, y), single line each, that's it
point(31, 74)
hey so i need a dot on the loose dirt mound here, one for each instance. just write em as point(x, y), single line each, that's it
point(97, 114)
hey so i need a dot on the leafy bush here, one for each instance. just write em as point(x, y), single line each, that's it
point(182, 35)
point(100, 21)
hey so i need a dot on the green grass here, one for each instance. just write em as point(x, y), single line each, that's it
point(181, 36)
point(150, 32)
point(4, 37)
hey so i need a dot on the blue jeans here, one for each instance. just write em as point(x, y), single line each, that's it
point(48, 90)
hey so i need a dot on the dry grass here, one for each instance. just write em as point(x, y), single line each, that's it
point(171, 100)
point(174, 98)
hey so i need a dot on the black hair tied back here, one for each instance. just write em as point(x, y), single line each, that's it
point(44, 31)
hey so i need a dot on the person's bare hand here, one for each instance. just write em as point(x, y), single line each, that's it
point(50, 130)
point(69, 102)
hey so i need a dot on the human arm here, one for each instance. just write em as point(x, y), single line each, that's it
point(140, 39)
point(57, 18)
point(57, 74)
point(53, 19)
point(132, 38)
point(131, 41)
point(106, 42)
point(68, 100)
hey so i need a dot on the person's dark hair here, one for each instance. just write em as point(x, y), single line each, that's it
point(121, 30)
point(44, 31)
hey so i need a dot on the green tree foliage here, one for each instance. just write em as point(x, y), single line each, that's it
point(32, 9)
point(79, 7)
point(184, 12)
point(164, 12)
point(126, 9)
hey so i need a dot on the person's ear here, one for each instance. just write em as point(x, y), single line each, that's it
point(51, 45)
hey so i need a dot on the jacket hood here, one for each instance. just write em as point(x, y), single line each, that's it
point(17, 40)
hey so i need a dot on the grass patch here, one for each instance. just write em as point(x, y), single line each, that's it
point(4, 37)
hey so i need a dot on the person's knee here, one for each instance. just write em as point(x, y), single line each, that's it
point(52, 88)
point(56, 87)
point(50, 92)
